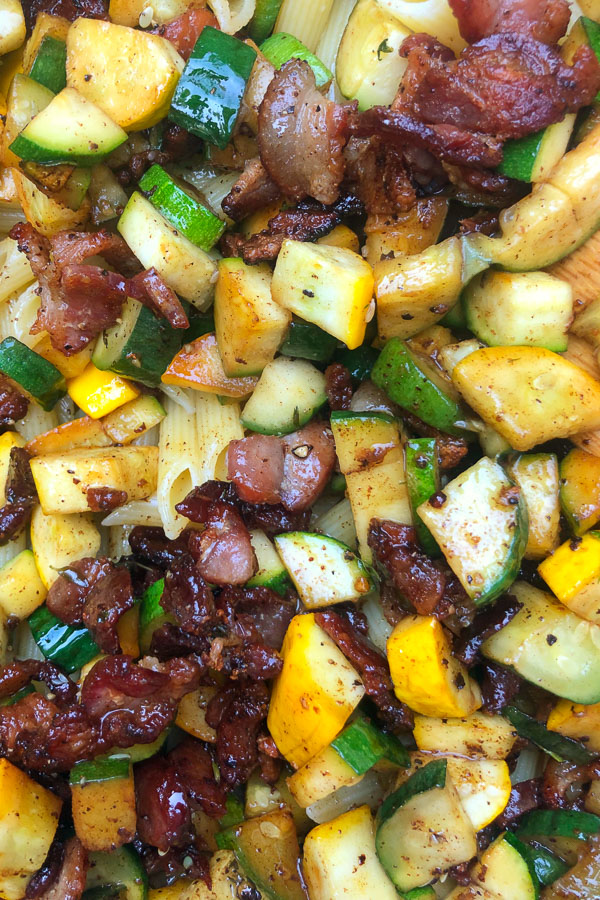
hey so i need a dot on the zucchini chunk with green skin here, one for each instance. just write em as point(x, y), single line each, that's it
point(209, 94)
point(371, 457)
point(178, 205)
point(528, 394)
point(139, 346)
point(481, 528)
point(401, 375)
point(546, 866)
point(550, 646)
point(249, 325)
point(427, 803)
point(533, 157)
point(152, 615)
point(422, 480)
point(324, 571)
point(103, 803)
point(69, 646)
point(586, 32)
point(340, 859)
point(506, 871)
point(120, 872)
point(519, 308)
point(580, 490)
point(271, 571)
point(369, 66)
point(288, 394)
point(263, 21)
point(49, 66)
point(308, 341)
point(35, 375)
point(70, 129)
point(282, 47)
point(551, 742)
point(538, 477)
point(266, 848)
point(566, 823)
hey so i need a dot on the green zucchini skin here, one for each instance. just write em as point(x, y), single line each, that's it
point(282, 47)
point(49, 66)
point(307, 341)
point(208, 96)
point(32, 372)
point(362, 745)
point(119, 873)
point(264, 18)
point(197, 223)
point(551, 742)
point(69, 646)
point(566, 823)
point(422, 481)
point(103, 769)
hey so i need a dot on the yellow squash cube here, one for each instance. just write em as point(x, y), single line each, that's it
point(130, 74)
point(425, 674)
point(98, 393)
point(104, 812)
point(573, 574)
point(329, 286)
point(28, 820)
point(21, 588)
point(577, 721)
point(315, 693)
point(58, 540)
point(12, 25)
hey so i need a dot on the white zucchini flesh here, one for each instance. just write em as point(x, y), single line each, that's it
point(324, 570)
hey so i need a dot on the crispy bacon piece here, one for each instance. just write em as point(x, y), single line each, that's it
point(301, 135)
point(106, 602)
point(104, 499)
point(253, 190)
point(70, 881)
point(151, 546)
point(255, 465)
point(254, 661)
point(66, 597)
point(48, 874)
point(68, 9)
point(13, 404)
point(372, 668)
point(338, 386)
point(194, 767)
point(16, 675)
point(486, 623)
point(190, 860)
point(498, 687)
point(223, 551)
point(236, 713)
point(256, 614)
point(79, 301)
point(544, 20)
point(524, 796)
point(412, 572)
point(184, 31)
point(187, 596)
point(450, 449)
point(506, 85)
point(164, 817)
point(20, 493)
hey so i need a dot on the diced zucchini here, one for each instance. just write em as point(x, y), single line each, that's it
point(307, 341)
point(45, 24)
point(533, 157)
point(21, 588)
point(263, 20)
point(64, 480)
point(191, 713)
point(425, 674)
point(321, 776)
point(578, 722)
point(29, 816)
point(36, 376)
point(411, 383)
point(128, 73)
point(81, 432)
point(12, 26)
point(519, 308)
point(551, 742)
point(103, 803)
point(249, 325)
point(179, 206)
point(529, 394)
point(546, 866)
point(427, 803)
point(376, 481)
point(580, 490)
point(282, 47)
point(49, 65)
point(185, 267)
point(99, 393)
point(209, 94)
point(329, 286)
point(271, 571)
point(58, 540)
point(422, 480)
point(70, 129)
point(69, 646)
point(139, 346)
point(359, 362)
point(134, 419)
point(324, 571)
point(481, 526)
point(550, 646)
point(315, 693)
point(288, 394)
point(572, 573)
point(478, 736)
point(404, 234)
point(369, 66)
point(152, 614)
point(120, 872)
point(567, 823)
point(537, 476)
point(266, 848)
point(340, 859)
point(198, 365)
point(505, 870)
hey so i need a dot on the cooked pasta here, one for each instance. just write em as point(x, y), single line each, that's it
point(179, 464)
point(305, 21)
point(232, 14)
point(217, 424)
point(15, 271)
point(136, 512)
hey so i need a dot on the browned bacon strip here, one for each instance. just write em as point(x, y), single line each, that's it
point(544, 20)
